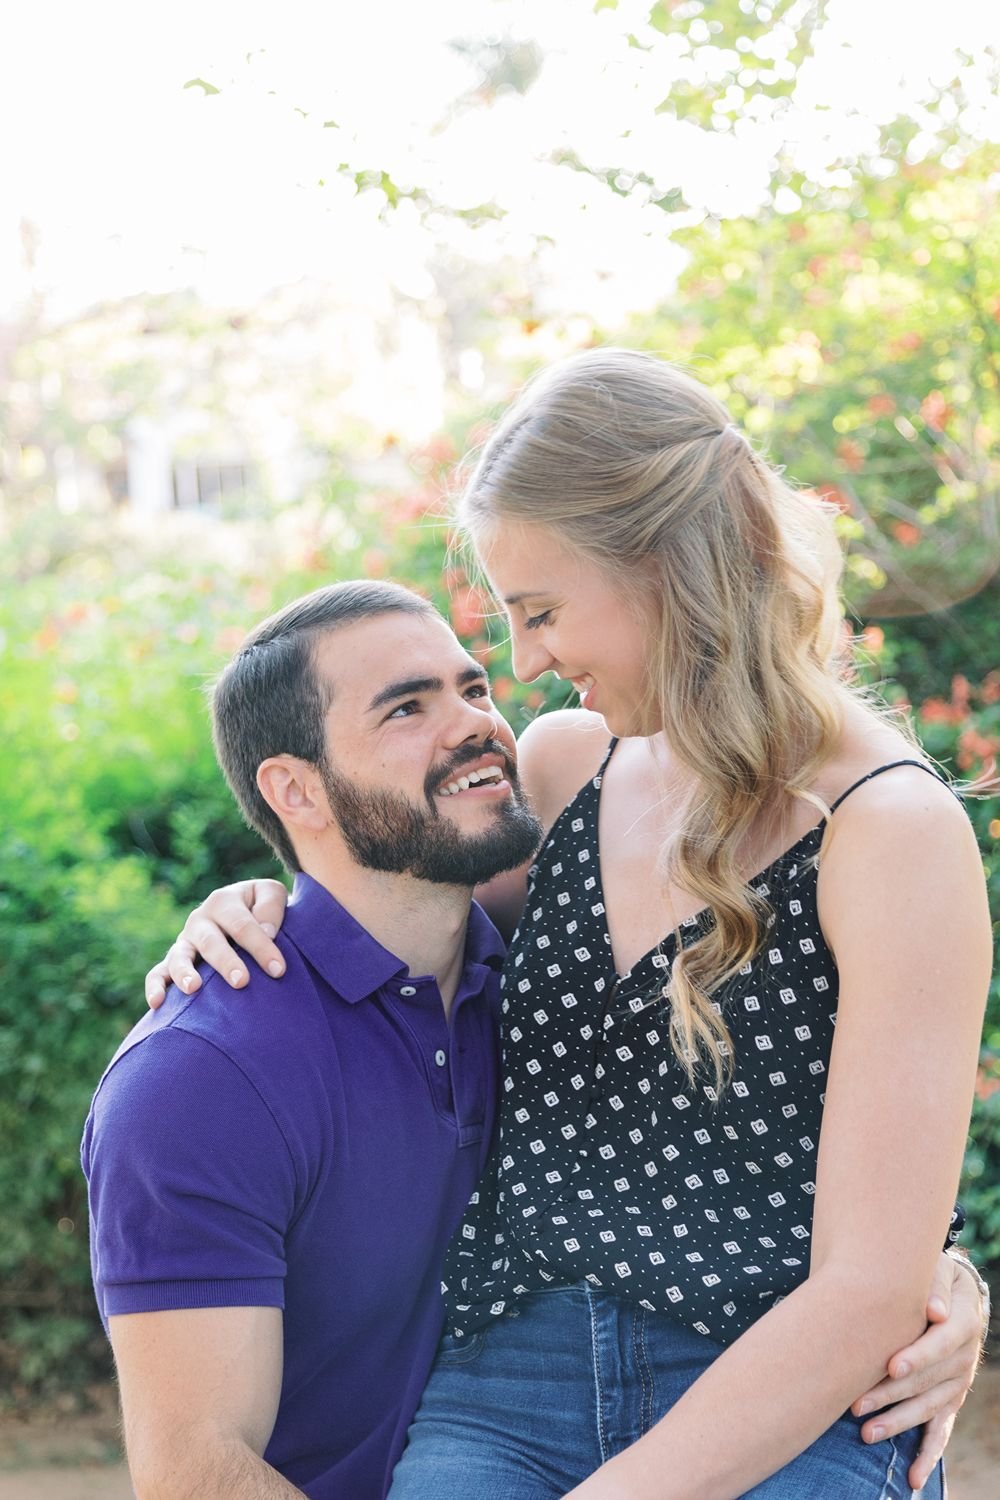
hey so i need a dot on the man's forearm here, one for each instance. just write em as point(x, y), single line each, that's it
point(215, 1470)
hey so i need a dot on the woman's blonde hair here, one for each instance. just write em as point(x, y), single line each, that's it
point(638, 467)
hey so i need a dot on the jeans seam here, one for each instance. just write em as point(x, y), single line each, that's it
point(890, 1472)
point(596, 1358)
point(645, 1373)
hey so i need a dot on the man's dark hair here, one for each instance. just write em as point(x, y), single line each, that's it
point(268, 700)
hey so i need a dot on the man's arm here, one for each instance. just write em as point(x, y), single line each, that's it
point(200, 1391)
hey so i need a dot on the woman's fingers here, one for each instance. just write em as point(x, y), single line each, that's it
point(156, 984)
point(270, 898)
point(250, 912)
point(232, 912)
point(182, 955)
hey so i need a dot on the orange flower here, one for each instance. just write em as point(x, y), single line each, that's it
point(906, 533)
point(468, 610)
point(47, 638)
point(838, 497)
point(229, 640)
point(851, 454)
point(881, 405)
point(905, 343)
point(873, 637)
point(935, 410)
point(440, 449)
point(978, 746)
point(987, 1082)
point(937, 711)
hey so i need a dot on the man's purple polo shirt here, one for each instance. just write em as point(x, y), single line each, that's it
point(311, 1145)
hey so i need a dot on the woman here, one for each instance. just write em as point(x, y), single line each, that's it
point(671, 1283)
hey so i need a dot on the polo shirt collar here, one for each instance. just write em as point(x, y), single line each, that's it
point(347, 955)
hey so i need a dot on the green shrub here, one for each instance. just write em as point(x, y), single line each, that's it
point(114, 819)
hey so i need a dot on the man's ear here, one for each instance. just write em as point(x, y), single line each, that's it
point(293, 790)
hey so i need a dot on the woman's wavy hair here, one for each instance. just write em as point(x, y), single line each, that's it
point(634, 464)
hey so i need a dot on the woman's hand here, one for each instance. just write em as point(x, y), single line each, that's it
point(250, 912)
point(928, 1381)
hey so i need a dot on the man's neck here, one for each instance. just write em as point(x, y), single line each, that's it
point(422, 923)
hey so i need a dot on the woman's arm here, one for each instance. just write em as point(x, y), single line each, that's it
point(927, 1382)
point(555, 755)
point(903, 906)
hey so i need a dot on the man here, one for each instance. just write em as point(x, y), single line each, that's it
point(273, 1180)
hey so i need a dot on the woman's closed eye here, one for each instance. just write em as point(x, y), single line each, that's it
point(534, 621)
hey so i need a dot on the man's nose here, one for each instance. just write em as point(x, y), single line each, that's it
point(475, 720)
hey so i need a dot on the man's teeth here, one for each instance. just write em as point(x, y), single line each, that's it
point(462, 783)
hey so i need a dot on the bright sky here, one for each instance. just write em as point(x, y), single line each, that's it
point(137, 184)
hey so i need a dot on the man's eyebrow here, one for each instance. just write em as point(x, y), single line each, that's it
point(405, 687)
point(408, 687)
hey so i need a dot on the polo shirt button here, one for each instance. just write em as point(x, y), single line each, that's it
point(407, 990)
point(581, 1153)
point(440, 1058)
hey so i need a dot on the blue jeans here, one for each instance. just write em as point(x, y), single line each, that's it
point(569, 1377)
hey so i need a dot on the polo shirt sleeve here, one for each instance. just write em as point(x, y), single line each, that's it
point(192, 1187)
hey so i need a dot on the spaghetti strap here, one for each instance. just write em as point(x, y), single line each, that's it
point(890, 766)
point(607, 755)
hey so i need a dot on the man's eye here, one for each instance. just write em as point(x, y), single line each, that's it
point(535, 620)
point(404, 710)
point(479, 690)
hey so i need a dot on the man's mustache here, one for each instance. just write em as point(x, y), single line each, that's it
point(467, 755)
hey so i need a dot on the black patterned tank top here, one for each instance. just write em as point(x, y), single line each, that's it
point(610, 1166)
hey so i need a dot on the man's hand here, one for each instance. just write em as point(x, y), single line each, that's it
point(200, 1390)
point(928, 1381)
point(250, 912)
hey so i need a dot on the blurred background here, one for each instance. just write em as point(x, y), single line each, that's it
point(268, 272)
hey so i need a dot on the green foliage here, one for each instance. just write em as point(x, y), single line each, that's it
point(114, 819)
point(853, 327)
point(859, 343)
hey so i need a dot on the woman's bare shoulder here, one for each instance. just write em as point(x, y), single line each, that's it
point(557, 753)
point(869, 744)
point(885, 796)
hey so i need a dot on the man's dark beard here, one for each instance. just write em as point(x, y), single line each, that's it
point(385, 831)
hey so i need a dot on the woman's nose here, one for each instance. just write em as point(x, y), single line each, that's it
point(529, 657)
